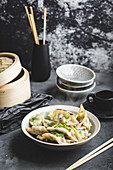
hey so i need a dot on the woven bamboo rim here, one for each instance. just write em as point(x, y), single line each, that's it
point(16, 91)
point(12, 71)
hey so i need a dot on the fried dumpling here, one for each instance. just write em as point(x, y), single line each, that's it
point(81, 112)
point(61, 126)
point(52, 138)
point(69, 134)
point(63, 116)
point(85, 123)
point(37, 130)
point(81, 134)
point(38, 119)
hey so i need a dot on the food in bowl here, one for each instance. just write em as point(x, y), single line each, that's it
point(61, 126)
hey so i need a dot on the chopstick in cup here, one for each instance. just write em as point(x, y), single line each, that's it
point(44, 26)
point(34, 25)
point(29, 19)
point(92, 154)
point(34, 31)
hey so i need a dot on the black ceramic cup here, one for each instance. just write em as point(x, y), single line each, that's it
point(40, 62)
point(102, 99)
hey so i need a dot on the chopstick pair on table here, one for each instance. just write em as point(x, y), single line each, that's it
point(33, 25)
point(92, 154)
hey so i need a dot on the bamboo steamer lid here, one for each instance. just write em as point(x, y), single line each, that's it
point(10, 67)
point(17, 91)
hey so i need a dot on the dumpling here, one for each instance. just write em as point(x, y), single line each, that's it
point(61, 126)
point(85, 123)
point(48, 123)
point(81, 134)
point(83, 119)
point(37, 130)
point(69, 134)
point(38, 119)
point(52, 138)
point(63, 116)
point(77, 134)
point(81, 112)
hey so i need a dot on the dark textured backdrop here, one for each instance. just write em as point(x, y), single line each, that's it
point(78, 31)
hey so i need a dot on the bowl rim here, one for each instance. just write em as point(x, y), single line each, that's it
point(74, 91)
point(72, 81)
point(51, 108)
point(73, 86)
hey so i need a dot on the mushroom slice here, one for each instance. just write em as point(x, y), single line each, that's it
point(52, 138)
point(37, 130)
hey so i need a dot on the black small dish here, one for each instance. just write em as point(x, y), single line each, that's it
point(102, 114)
point(100, 103)
point(102, 100)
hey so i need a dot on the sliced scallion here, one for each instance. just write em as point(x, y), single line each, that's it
point(33, 118)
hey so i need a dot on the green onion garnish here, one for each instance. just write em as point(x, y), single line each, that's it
point(38, 124)
point(64, 126)
point(51, 124)
point(55, 126)
point(74, 113)
point(55, 133)
point(60, 125)
point(69, 129)
point(67, 117)
point(33, 118)
point(47, 118)
point(61, 134)
point(80, 132)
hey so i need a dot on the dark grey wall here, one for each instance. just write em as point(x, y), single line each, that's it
point(78, 31)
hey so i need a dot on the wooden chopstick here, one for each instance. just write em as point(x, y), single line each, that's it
point(27, 12)
point(34, 31)
point(92, 154)
point(44, 26)
point(34, 25)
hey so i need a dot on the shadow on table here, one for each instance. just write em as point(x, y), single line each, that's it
point(27, 150)
point(57, 94)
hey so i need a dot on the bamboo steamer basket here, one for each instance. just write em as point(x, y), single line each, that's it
point(10, 67)
point(17, 91)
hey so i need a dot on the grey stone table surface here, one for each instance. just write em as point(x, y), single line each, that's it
point(18, 152)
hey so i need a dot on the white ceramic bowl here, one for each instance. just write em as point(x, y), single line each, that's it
point(74, 85)
point(25, 123)
point(73, 73)
point(73, 88)
point(76, 94)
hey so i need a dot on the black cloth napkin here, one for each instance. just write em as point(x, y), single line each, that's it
point(11, 117)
